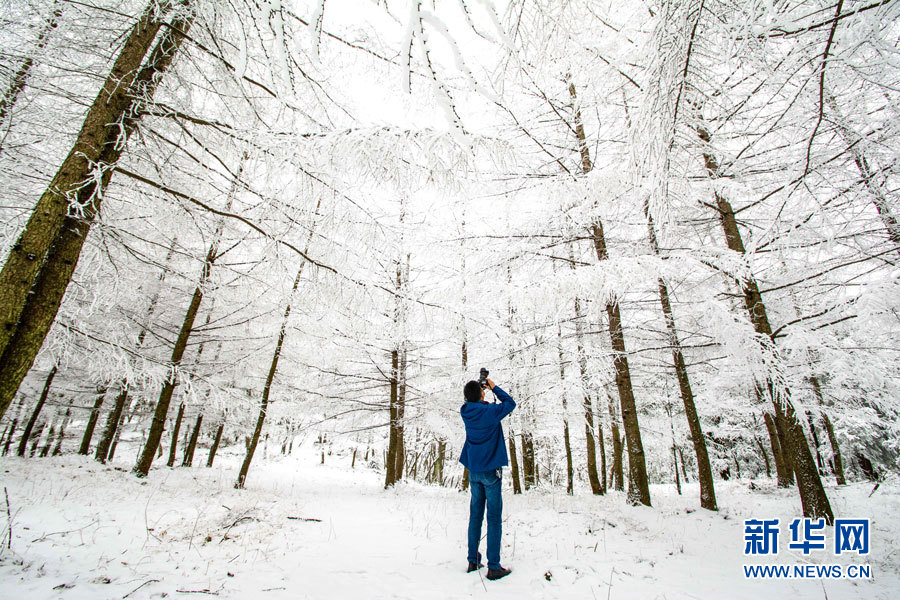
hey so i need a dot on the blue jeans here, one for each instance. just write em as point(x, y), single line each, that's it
point(485, 489)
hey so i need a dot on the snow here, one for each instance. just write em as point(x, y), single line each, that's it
point(84, 530)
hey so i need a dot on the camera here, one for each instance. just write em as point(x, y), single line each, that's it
point(483, 379)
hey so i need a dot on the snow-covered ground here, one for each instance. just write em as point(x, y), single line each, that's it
point(83, 530)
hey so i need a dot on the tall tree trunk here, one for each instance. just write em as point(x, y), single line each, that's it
point(395, 457)
point(586, 401)
point(40, 265)
point(570, 472)
point(37, 438)
point(273, 368)
point(175, 431)
point(527, 460)
point(782, 471)
point(26, 433)
point(105, 449)
point(390, 467)
point(638, 484)
point(762, 450)
point(20, 78)
point(815, 438)
point(112, 424)
point(704, 470)
point(401, 411)
point(9, 438)
point(602, 445)
point(837, 463)
point(92, 423)
point(188, 458)
point(514, 464)
point(152, 445)
point(215, 445)
point(62, 431)
point(875, 187)
point(812, 493)
point(618, 471)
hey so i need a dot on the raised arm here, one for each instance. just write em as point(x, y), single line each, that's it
point(507, 404)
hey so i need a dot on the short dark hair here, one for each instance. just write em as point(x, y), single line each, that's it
point(472, 391)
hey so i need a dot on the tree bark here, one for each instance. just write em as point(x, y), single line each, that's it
point(215, 445)
point(602, 444)
point(586, 401)
point(175, 431)
point(570, 472)
point(812, 493)
point(527, 460)
point(704, 470)
point(836, 461)
point(782, 471)
point(40, 265)
point(514, 463)
point(390, 467)
point(145, 460)
point(92, 423)
point(618, 471)
point(26, 433)
point(62, 432)
point(638, 484)
point(762, 450)
point(188, 459)
point(112, 424)
point(20, 78)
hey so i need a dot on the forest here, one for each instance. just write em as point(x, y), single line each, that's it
point(242, 238)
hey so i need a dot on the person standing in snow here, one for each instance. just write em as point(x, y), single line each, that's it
point(484, 455)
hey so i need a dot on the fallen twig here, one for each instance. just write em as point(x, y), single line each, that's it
point(139, 587)
point(304, 519)
point(203, 591)
point(243, 518)
point(9, 519)
point(46, 535)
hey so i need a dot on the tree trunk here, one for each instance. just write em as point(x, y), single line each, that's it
point(570, 472)
point(812, 493)
point(36, 412)
point(837, 463)
point(273, 368)
point(12, 431)
point(45, 451)
point(638, 485)
point(586, 401)
point(37, 438)
point(112, 425)
point(618, 471)
point(62, 432)
point(215, 445)
point(401, 411)
point(390, 467)
point(20, 78)
point(785, 478)
point(514, 464)
point(704, 470)
point(602, 445)
point(815, 438)
point(92, 423)
point(40, 265)
point(762, 450)
point(175, 431)
point(527, 460)
point(188, 459)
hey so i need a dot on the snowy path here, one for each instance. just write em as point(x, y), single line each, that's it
point(81, 530)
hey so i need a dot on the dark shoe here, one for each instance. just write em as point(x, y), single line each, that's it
point(494, 574)
point(474, 567)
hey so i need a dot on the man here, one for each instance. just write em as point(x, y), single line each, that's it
point(484, 454)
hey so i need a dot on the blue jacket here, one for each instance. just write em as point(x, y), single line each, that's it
point(485, 449)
